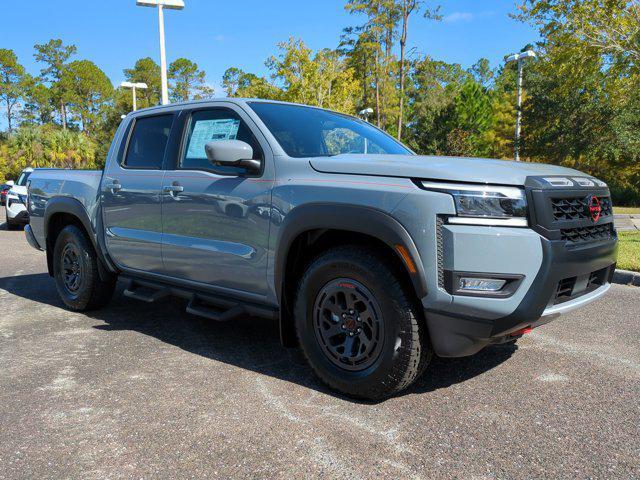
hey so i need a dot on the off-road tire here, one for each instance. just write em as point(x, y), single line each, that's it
point(405, 351)
point(91, 292)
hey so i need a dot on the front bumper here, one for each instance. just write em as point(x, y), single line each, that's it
point(31, 239)
point(17, 211)
point(581, 275)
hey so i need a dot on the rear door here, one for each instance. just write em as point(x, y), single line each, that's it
point(131, 200)
point(216, 219)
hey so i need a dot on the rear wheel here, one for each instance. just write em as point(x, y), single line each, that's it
point(75, 267)
point(358, 326)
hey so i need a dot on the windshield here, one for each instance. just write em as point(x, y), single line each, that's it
point(22, 181)
point(313, 132)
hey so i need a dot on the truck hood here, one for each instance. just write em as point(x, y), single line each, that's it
point(453, 169)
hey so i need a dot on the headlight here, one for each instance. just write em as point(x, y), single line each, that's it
point(485, 205)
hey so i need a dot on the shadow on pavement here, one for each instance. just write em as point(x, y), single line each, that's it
point(249, 343)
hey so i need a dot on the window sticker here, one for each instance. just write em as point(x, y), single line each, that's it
point(205, 131)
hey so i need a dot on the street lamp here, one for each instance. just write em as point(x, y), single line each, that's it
point(133, 87)
point(162, 4)
point(520, 58)
point(365, 113)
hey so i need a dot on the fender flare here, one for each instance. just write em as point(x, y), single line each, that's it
point(72, 206)
point(354, 218)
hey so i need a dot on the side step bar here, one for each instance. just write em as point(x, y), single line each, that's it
point(217, 308)
point(144, 293)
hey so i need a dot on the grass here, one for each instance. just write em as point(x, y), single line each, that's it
point(629, 254)
point(626, 210)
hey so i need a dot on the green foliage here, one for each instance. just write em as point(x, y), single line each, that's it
point(583, 104)
point(87, 92)
point(54, 55)
point(321, 79)
point(629, 253)
point(188, 82)
point(12, 81)
point(45, 146)
point(145, 71)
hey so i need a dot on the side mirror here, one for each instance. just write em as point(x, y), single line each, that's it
point(11, 183)
point(232, 153)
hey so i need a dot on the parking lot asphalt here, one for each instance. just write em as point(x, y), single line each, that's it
point(148, 391)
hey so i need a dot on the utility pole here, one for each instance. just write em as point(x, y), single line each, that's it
point(162, 4)
point(520, 58)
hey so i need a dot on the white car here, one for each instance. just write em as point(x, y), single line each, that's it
point(16, 204)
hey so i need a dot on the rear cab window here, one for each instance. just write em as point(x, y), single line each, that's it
point(148, 142)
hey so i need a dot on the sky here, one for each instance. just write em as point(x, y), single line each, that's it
point(218, 34)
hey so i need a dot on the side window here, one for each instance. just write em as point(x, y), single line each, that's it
point(148, 142)
point(210, 126)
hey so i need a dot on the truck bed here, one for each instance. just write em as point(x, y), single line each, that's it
point(46, 184)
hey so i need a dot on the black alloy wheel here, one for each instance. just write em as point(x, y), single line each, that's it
point(348, 324)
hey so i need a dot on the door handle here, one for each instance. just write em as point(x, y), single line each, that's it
point(174, 189)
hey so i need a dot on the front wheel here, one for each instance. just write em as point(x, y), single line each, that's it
point(358, 326)
point(75, 268)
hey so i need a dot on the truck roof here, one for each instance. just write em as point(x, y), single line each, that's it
point(236, 100)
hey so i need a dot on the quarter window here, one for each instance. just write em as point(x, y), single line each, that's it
point(148, 142)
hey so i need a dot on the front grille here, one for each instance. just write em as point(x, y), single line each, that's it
point(573, 287)
point(577, 208)
point(591, 233)
point(565, 287)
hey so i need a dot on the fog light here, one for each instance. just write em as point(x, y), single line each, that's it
point(468, 284)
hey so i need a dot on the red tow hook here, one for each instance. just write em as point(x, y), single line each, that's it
point(522, 331)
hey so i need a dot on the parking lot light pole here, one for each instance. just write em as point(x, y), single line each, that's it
point(162, 4)
point(133, 87)
point(520, 58)
point(365, 113)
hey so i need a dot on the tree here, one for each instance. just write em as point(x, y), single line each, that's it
point(610, 26)
point(88, 90)
point(407, 7)
point(322, 79)
point(432, 86)
point(231, 80)
point(38, 106)
point(380, 33)
point(55, 55)
point(482, 72)
point(582, 99)
point(12, 82)
point(146, 71)
point(188, 81)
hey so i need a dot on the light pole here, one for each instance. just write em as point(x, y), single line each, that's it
point(365, 113)
point(162, 4)
point(133, 87)
point(520, 58)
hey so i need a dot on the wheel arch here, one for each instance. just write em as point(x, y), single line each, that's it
point(321, 225)
point(63, 211)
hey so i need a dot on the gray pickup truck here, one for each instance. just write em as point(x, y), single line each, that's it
point(372, 258)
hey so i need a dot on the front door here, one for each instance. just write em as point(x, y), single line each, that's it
point(216, 219)
point(131, 200)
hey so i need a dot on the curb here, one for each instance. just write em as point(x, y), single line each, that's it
point(625, 277)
